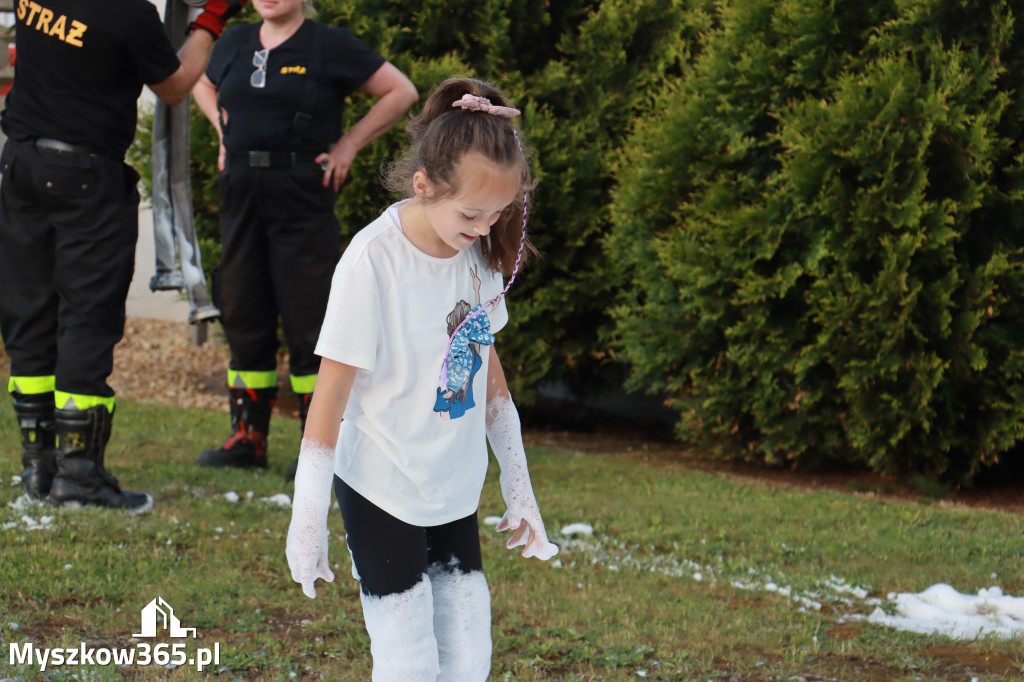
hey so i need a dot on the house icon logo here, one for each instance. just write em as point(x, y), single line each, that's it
point(159, 612)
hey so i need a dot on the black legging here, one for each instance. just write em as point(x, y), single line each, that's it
point(392, 556)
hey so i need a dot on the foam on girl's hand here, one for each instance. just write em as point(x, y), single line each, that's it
point(504, 431)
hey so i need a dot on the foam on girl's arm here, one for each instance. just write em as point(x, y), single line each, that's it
point(306, 546)
point(504, 431)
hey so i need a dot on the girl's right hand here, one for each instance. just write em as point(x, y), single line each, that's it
point(306, 549)
point(306, 546)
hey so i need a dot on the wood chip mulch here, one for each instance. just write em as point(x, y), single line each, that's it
point(160, 362)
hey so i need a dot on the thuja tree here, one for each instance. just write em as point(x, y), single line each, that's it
point(583, 104)
point(823, 233)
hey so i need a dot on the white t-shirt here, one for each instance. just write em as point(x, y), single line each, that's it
point(388, 316)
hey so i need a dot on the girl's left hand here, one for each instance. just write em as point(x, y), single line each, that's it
point(336, 164)
point(529, 531)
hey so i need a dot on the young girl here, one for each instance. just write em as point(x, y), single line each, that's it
point(402, 359)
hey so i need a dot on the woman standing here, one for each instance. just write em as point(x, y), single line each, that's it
point(274, 90)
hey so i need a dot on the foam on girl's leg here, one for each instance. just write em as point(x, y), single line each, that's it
point(462, 622)
point(401, 628)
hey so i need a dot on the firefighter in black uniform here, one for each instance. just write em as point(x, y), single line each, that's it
point(69, 222)
point(274, 90)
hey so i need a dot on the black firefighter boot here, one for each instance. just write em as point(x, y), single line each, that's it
point(81, 478)
point(38, 442)
point(250, 421)
point(304, 399)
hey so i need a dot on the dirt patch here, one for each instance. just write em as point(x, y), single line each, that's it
point(972, 659)
point(846, 631)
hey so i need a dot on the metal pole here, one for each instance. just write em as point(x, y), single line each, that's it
point(173, 217)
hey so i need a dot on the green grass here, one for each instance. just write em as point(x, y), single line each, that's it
point(623, 602)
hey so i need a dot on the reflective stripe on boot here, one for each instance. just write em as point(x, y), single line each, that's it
point(82, 479)
point(38, 441)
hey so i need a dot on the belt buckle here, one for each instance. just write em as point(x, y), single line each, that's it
point(259, 159)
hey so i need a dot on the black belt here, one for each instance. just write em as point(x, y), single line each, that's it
point(62, 147)
point(260, 159)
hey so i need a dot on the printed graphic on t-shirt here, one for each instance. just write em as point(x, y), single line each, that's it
point(469, 329)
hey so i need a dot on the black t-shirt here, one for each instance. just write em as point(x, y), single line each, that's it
point(80, 70)
point(261, 118)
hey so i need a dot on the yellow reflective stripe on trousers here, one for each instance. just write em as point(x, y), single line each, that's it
point(303, 384)
point(254, 380)
point(77, 401)
point(31, 385)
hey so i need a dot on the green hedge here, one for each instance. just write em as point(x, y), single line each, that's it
point(797, 220)
point(822, 233)
point(581, 72)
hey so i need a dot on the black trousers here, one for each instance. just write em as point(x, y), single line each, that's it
point(281, 243)
point(392, 556)
point(68, 227)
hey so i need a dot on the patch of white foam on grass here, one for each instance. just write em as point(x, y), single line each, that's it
point(31, 515)
point(584, 529)
point(939, 610)
point(942, 610)
point(581, 547)
point(29, 523)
